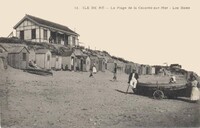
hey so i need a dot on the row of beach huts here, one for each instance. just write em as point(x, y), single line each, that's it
point(53, 46)
point(71, 59)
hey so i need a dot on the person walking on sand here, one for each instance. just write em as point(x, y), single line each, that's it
point(133, 80)
point(194, 97)
point(115, 72)
point(91, 72)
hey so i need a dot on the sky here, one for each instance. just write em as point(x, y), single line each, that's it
point(146, 36)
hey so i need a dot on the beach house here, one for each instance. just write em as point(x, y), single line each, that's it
point(35, 29)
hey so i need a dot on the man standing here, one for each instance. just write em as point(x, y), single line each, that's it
point(133, 79)
point(115, 72)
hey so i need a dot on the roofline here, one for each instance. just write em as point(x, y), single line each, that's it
point(4, 48)
point(27, 17)
point(45, 26)
point(19, 22)
point(68, 55)
point(47, 50)
point(19, 51)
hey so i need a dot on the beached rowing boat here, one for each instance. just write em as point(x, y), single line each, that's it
point(38, 71)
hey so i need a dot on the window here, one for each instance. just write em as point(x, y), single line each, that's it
point(21, 35)
point(45, 34)
point(24, 56)
point(33, 34)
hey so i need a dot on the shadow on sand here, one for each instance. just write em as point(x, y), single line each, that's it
point(123, 92)
point(184, 99)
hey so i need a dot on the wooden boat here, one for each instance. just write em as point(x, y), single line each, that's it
point(36, 71)
point(164, 90)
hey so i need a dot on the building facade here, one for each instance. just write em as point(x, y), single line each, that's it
point(35, 29)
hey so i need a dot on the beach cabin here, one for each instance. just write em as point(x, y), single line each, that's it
point(83, 63)
point(43, 58)
point(111, 65)
point(120, 66)
point(35, 29)
point(1, 63)
point(129, 67)
point(69, 60)
point(2, 50)
point(80, 62)
point(101, 63)
point(80, 59)
point(18, 57)
point(152, 70)
point(86, 64)
point(142, 70)
point(32, 55)
point(137, 67)
point(3, 57)
point(94, 60)
point(106, 57)
point(106, 61)
point(148, 70)
point(56, 62)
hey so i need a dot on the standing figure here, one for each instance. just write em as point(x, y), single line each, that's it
point(172, 79)
point(115, 72)
point(91, 72)
point(194, 97)
point(94, 70)
point(133, 80)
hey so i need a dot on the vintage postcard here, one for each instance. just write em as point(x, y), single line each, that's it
point(99, 63)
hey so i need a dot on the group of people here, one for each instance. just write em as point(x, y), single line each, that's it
point(33, 64)
point(133, 81)
point(193, 83)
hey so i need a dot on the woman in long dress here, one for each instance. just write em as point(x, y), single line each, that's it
point(195, 91)
point(94, 70)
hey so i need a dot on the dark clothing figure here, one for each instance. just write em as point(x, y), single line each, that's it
point(172, 79)
point(115, 72)
point(32, 64)
point(91, 72)
point(136, 76)
point(133, 80)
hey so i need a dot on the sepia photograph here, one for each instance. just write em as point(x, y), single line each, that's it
point(99, 63)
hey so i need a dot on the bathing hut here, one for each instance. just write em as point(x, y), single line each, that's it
point(43, 58)
point(18, 57)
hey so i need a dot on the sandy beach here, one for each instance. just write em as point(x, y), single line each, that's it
point(73, 100)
